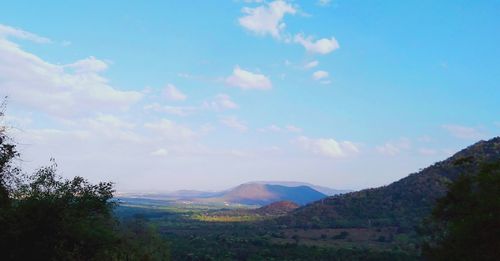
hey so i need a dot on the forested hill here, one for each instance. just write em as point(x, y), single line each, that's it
point(403, 203)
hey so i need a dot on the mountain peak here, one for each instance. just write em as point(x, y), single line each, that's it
point(263, 194)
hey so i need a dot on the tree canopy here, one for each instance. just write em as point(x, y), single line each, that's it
point(46, 217)
point(466, 222)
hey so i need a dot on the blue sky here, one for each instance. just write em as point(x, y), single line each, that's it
point(209, 94)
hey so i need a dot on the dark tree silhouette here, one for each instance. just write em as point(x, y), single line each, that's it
point(46, 217)
point(466, 222)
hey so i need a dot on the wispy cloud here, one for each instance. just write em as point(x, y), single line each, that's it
point(7, 31)
point(321, 46)
point(328, 147)
point(174, 110)
point(160, 152)
point(221, 102)
point(320, 75)
point(464, 132)
point(60, 90)
point(311, 64)
point(172, 93)
point(170, 130)
point(247, 80)
point(275, 128)
point(393, 148)
point(234, 123)
point(427, 151)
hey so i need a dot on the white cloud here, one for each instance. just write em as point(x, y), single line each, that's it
point(112, 121)
point(394, 147)
point(319, 75)
point(311, 64)
point(170, 130)
point(220, 102)
point(109, 126)
point(321, 46)
point(60, 90)
point(266, 19)
point(427, 151)
point(234, 123)
point(88, 65)
point(174, 110)
point(292, 128)
point(247, 80)
point(389, 149)
point(270, 128)
point(160, 152)
point(328, 147)
point(174, 94)
point(464, 132)
point(276, 128)
point(7, 31)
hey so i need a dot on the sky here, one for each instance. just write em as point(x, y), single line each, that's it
point(166, 95)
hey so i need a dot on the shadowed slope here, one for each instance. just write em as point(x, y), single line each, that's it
point(403, 203)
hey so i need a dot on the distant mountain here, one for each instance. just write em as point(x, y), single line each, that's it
point(263, 194)
point(325, 190)
point(403, 203)
point(244, 194)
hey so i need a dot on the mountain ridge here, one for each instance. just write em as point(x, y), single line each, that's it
point(250, 193)
point(402, 203)
point(264, 194)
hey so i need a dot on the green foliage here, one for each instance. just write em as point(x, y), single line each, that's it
point(403, 204)
point(58, 219)
point(7, 154)
point(51, 218)
point(46, 217)
point(466, 222)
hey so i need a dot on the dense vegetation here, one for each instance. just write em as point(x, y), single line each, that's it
point(194, 239)
point(45, 217)
point(465, 224)
point(402, 204)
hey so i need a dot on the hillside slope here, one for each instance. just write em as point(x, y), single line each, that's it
point(403, 203)
point(264, 194)
point(325, 190)
point(277, 208)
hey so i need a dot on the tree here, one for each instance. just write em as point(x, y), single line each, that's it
point(7, 154)
point(466, 222)
point(57, 219)
point(46, 217)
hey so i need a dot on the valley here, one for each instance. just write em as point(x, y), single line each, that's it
point(380, 222)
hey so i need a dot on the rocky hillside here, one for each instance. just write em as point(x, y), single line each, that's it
point(403, 203)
